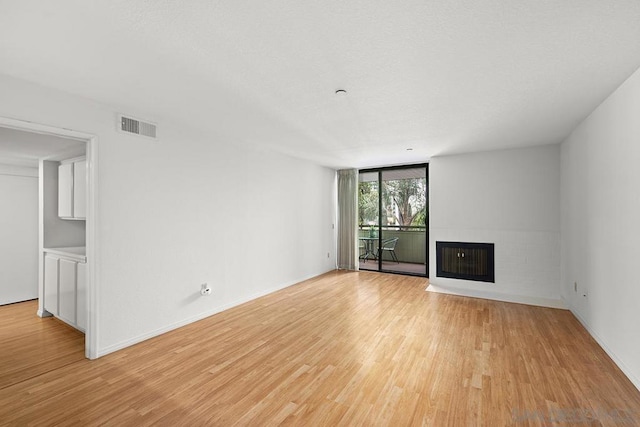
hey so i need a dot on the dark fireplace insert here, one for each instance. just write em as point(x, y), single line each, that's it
point(465, 260)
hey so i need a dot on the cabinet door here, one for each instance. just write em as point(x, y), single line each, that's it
point(80, 189)
point(51, 284)
point(475, 261)
point(82, 308)
point(67, 291)
point(65, 190)
point(451, 260)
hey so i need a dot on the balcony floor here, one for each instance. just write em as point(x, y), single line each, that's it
point(403, 267)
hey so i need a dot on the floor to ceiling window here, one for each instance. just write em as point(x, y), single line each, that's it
point(393, 218)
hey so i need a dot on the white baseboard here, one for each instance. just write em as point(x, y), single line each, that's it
point(43, 313)
point(625, 370)
point(497, 296)
point(127, 343)
point(543, 302)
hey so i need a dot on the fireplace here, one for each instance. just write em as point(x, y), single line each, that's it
point(465, 260)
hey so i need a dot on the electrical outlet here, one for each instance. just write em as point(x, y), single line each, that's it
point(205, 290)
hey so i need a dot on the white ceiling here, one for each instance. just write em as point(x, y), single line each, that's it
point(440, 76)
point(26, 148)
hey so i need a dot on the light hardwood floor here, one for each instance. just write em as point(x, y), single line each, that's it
point(344, 348)
point(31, 346)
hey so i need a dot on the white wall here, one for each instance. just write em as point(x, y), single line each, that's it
point(510, 198)
point(18, 234)
point(601, 225)
point(186, 209)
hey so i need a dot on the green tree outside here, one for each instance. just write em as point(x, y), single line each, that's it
point(404, 202)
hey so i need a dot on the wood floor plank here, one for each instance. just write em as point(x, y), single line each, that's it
point(344, 348)
point(32, 345)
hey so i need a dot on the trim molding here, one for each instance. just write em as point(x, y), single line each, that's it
point(624, 368)
point(497, 296)
point(91, 334)
point(127, 343)
point(16, 170)
point(542, 302)
point(43, 129)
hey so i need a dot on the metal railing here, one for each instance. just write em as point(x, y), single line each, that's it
point(412, 240)
point(394, 227)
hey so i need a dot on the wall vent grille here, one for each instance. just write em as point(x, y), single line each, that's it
point(136, 127)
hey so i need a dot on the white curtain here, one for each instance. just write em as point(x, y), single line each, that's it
point(348, 219)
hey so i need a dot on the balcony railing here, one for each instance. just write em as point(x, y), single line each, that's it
point(412, 241)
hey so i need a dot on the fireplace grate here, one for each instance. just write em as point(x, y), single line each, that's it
point(466, 261)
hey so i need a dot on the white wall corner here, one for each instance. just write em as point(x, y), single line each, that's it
point(623, 367)
point(498, 296)
point(218, 309)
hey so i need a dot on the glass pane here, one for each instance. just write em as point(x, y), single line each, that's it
point(368, 218)
point(404, 220)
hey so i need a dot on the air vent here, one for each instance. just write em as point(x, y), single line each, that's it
point(136, 127)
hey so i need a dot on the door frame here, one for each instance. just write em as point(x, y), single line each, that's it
point(91, 333)
point(379, 171)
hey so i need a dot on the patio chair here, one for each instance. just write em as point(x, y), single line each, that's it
point(390, 246)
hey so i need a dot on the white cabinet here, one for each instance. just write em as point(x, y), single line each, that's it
point(65, 278)
point(80, 189)
point(72, 189)
point(81, 296)
point(51, 284)
point(65, 190)
point(67, 275)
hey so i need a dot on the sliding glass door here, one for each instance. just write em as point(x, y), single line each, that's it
point(393, 219)
point(368, 219)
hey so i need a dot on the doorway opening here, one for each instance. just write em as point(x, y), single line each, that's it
point(42, 149)
point(393, 219)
